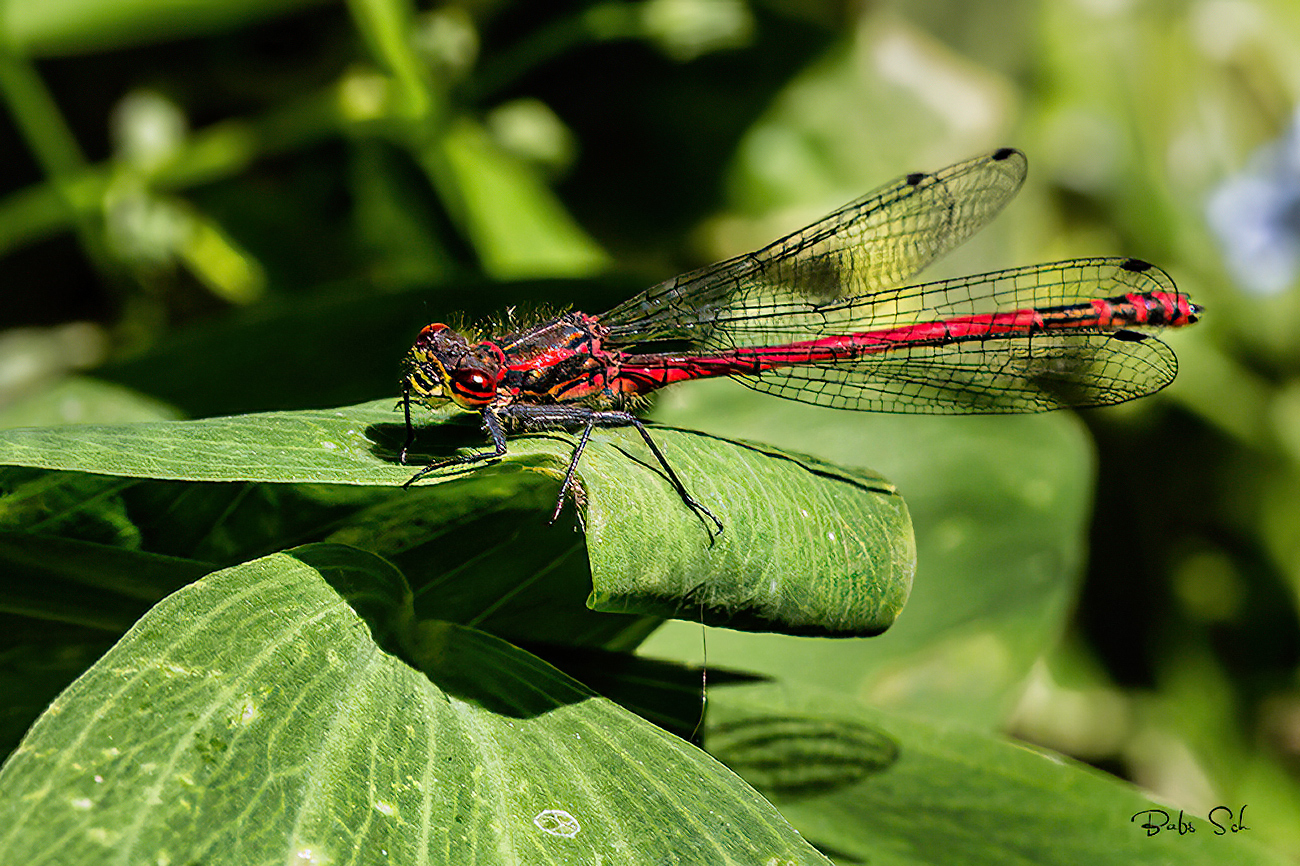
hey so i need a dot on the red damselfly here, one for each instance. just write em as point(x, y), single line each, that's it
point(826, 316)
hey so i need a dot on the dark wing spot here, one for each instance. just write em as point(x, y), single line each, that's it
point(819, 280)
point(1137, 266)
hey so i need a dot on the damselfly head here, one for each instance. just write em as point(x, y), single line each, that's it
point(443, 365)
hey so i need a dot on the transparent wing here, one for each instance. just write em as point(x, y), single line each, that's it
point(1026, 372)
point(863, 251)
point(1032, 287)
point(846, 275)
point(1036, 374)
point(1023, 372)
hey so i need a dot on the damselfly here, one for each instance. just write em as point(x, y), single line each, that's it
point(826, 316)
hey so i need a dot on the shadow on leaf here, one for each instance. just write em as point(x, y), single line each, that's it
point(792, 757)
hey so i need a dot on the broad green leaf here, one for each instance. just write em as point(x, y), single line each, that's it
point(252, 718)
point(1001, 507)
point(868, 786)
point(327, 445)
point(809, 548)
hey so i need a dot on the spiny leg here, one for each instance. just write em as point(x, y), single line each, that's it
point(591, 419)
point(410, 428)
point(491, 424)
point(573, 468)
point(543, 416)
point(691, 502)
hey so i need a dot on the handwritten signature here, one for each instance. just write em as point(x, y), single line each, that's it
point(1225, 821)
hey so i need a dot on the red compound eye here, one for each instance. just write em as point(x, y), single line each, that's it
point(473, 386)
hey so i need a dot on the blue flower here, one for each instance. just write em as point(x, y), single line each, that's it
point(1256, 216)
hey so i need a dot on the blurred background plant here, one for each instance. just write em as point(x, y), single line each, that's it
point(232, 206)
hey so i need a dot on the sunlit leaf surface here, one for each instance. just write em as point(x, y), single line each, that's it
point(807, 547)
point(254, 717)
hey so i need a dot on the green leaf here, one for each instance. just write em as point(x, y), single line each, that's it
point(868, 786)
point(809, 548)
point(327, 445)
point(252, 718)
point(1001, 506)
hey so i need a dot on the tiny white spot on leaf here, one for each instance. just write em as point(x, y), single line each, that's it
point(247, 711)
point(557, 822)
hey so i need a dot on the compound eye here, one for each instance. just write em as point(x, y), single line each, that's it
point(473, 386)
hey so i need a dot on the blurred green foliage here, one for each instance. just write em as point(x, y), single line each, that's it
point(222, 207)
